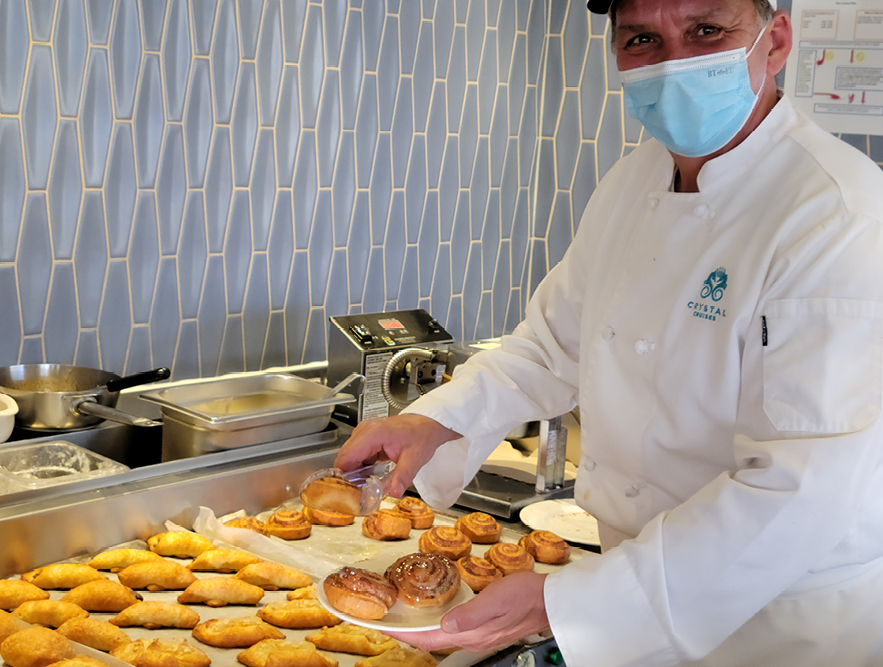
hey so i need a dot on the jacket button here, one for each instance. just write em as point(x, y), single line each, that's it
point(704, 211)
point(653, 203)
point(644, 347)
point(589, 465)
point(633, 491)
point(608, 333)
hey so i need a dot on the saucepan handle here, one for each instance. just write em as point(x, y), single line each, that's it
point(144, 377)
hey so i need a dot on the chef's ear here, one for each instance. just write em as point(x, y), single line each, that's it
point(781, 34)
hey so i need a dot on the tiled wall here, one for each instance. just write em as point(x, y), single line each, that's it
point(201, 183)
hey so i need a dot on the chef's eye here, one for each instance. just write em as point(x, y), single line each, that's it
point(707, 30)
point(637, 40)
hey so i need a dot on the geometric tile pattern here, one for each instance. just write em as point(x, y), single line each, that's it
point(201, 183)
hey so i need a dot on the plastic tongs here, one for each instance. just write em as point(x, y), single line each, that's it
point(372, 479)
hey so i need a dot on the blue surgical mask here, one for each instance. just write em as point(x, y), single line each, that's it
point(693, 106)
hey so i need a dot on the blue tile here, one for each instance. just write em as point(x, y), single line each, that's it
point(225, 61)
point(502, 288)
point(359, 247)
point(139, 356)
point(472, 291)
point(263, 189)
point(249, 27)
point(281, 250)
point(203, 25)
point(610, 135)
point(270, 61)
point(237, 251)
point(505, 40)
point(149, 122)
point(176, 57)
point(436, 133)
point(212, 317)
point(538, 264)
point(116, 317)
point(520, 236)
point(566, 145)
point(344, 190)
point(90, 258)
point(514, 312)
point(87, 349)
point(171, 189)
point(536, 32)
point(12, 187)
point(428, 243)
point(394, 245)
point(409, 27)
point(232, 356)
point(96, 119)
point(297, 307)
point(381, 189)
point(517, 83)
point(415, 187)
point(408, 289)
point(34, 262)
point(312, 66)
point(527, 135)
point(32, 351)
point(388, 72)
point(449, 187)
point(198, 123)
point(71, 43)
point(443, 36)
point(274, 350)
point(293, 14)
point(456, 81)
point(553, 91)
point(484, 325)
point(560, 229)
point(557, 11)
point(478, 188)
point(509, 190)
point(599, 24)
point(337, 300)
point(544, 175)
point(372, 32)
point(144, 257)
point(423, 76)
point(62, 325)
point(402, 134)
point(10, 324)
point(125, 57)
point(462, 10)
point(334, 23)
point(428, 9)
point(315, 348)
point(475, 34)
point(306, 187)
point(152, 19)
point(461, 239)
point(186, 364)
point(876, 147)
point(468, 135)
point(493, 12)
point(192, 255)
point(487, 83)
point(100, 13)
point(41, 19)
point(120, 190)
point(366, 130)
point(584, 181)
point(13, 42)
point(287, 127)
point(351, 69)
point(392, 6)
point(613, 83)
point(321, 248)
point(499, 139)
point(65, 190)
point(39, 117)
point(576, 41)
point(454, 322)
point(256, 314)
point(328, 128)
point(244, 125)
point(218, 188)
point(522, 10)
point(490, 239)
point(440, 298)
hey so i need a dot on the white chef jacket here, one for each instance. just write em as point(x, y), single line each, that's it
point(726, 350)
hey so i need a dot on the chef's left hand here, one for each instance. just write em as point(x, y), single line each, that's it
point(507, 610)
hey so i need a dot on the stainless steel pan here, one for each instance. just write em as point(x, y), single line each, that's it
point(57, 397)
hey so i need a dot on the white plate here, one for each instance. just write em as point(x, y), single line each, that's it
point(401, 617)
point(564, 518)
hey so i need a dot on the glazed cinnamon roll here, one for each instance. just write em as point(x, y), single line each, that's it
point(479, 527)
point(332, 494)
point(289, 525)
point(386, 525)
point(249, 523)
point(325, 518)
point(359, 593)
point(546, 547)
point(424, 580)
point(477, 572)
point(510, 558)
point(445, 540)
point(417, 511)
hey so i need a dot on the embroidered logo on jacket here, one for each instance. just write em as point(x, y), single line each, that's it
point(713, 288)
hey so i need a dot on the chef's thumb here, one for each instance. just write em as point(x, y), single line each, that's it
point(467, 616)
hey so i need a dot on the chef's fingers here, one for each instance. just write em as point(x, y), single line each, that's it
point(431, 640)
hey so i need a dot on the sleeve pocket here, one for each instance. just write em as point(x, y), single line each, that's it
point(823, 364)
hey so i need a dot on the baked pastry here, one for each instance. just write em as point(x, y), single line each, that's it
point(546, 547)
point(161, 653)
point(273, 576)
point(424, 580)
point(179, 544)
point(62, 575)
point(97, 634)
point(359, 593)
point(399, 657)
point(328, 518)
point(15, 591)
point(445, 540)
point(297, 614)
point(349, 638)
point(78, 661)
point(303, 593)
point(161, 575)
point(235, 632)
point(102, 595)
point(35, 647)
point(477, 572)
point(284, 653)
point(288, 524)
point(332, 494)
point(510, 558)
point(8, 625)
point(118, 559)
point(153, 614)
point(220, 591)
point(222, 560)
point(249, 523)
point(386, 525)
point(51, 613)
point(479, 527)
point(417, 511)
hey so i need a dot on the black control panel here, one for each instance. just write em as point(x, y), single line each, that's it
point(402, 328)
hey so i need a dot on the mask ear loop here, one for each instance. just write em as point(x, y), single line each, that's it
point(748, 55)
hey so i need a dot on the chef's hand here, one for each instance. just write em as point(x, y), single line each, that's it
point(506, 611)
point(409, 440)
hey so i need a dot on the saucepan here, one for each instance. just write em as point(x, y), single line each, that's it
point(57, 397)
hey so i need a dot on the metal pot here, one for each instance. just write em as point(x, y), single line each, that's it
point(56, 397)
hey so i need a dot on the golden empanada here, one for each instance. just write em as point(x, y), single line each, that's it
point(35, 647)
point(220, 591)
point(154, 614)
point(62, 575)
point(161, 575)
point(235, 632)
point(8, 625)
point(102, 595)
point(51, 613)
point(305, 593)
point(118, 559)
point(15, 591)
point(91, 632)
point(222, 560)
point(78, 661)
point(273, 576)
point(284, 653)
point(349, 638)
point(399, 657)
point(161, 653)
point(297, 614)
point(179, 544)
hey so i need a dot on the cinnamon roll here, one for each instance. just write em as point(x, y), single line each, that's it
point(424, 580)
point(251, 523)
point(289, 525)
point(326, 518)
point(332, 494)
point(510, 558)
point(477, 572)
point(479, 527)
point(546, 547)
point(386, 525)
point(417, 511)
point(445, 540)
point(359, 593)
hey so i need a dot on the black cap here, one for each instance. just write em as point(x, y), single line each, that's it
point(599, 6)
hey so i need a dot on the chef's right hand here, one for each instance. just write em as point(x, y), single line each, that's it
point(408, 440)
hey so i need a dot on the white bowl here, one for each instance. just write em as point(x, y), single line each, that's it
point(8, 410)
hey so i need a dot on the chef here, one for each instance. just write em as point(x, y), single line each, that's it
point(718, 319)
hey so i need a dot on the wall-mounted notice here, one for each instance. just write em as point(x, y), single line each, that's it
point(835, 71)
